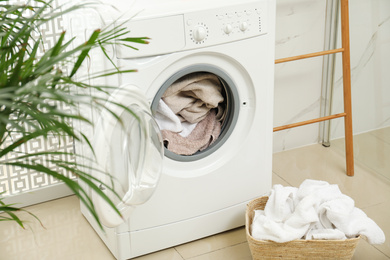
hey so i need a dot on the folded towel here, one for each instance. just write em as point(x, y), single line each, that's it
point(320, 211)
point(334, 234)
point(193, 96)
point(204, 134)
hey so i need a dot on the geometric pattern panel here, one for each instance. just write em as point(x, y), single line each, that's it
point(16, 180)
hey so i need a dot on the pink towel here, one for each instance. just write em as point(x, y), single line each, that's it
point(204, 134)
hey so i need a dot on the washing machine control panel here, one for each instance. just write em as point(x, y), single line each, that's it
point(226, 24)
point(196, 28)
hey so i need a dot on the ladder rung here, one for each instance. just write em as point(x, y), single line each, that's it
point(320, 119)
point(310, 55)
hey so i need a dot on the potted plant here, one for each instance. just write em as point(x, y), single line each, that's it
point(32, 86)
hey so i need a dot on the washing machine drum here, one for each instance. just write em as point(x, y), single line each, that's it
point(129, 153)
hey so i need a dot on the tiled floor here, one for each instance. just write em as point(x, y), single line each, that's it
point(68, 236)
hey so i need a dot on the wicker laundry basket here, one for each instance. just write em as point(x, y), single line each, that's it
point(297, 249)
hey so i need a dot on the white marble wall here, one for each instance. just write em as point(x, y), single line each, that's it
point(370, 68)
point(299, 30)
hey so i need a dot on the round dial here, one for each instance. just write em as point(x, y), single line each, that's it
point(199, 33)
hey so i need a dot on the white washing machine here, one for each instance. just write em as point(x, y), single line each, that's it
point(171, 198)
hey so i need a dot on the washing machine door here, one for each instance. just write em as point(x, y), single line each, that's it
point(129, 154)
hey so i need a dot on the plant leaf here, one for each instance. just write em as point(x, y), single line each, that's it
point(85, 52)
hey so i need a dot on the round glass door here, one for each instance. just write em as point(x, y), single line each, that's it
point(197, 109)
point(129, 153)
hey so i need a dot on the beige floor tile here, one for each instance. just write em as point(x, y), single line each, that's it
point(366, 251)
point(168, 254)
point(212, 243)
point(277, 180)
point(319, 163)
point(237, 252)
point(381, 215)
point(66, 235)
point(383, 134)
point(370, 150)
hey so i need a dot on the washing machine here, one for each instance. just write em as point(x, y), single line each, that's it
point(167, 197)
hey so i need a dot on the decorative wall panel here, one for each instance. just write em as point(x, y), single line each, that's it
point(15, 180)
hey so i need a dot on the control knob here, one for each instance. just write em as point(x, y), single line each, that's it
point(228, 28)
point(244, 26)
point(199, 33)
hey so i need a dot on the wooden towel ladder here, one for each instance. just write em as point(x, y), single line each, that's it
point(346, 88)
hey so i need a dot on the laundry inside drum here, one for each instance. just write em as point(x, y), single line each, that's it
point(191, 113)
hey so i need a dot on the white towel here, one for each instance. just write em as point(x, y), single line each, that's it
point(187, 128)
point(166, 119)
point(342, 214)
point(327, 234)
point(320, 211)
point(281, 203)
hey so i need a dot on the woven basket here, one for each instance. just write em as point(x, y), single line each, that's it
point(297, 249)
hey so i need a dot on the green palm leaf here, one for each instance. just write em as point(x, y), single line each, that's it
point(33, 87)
